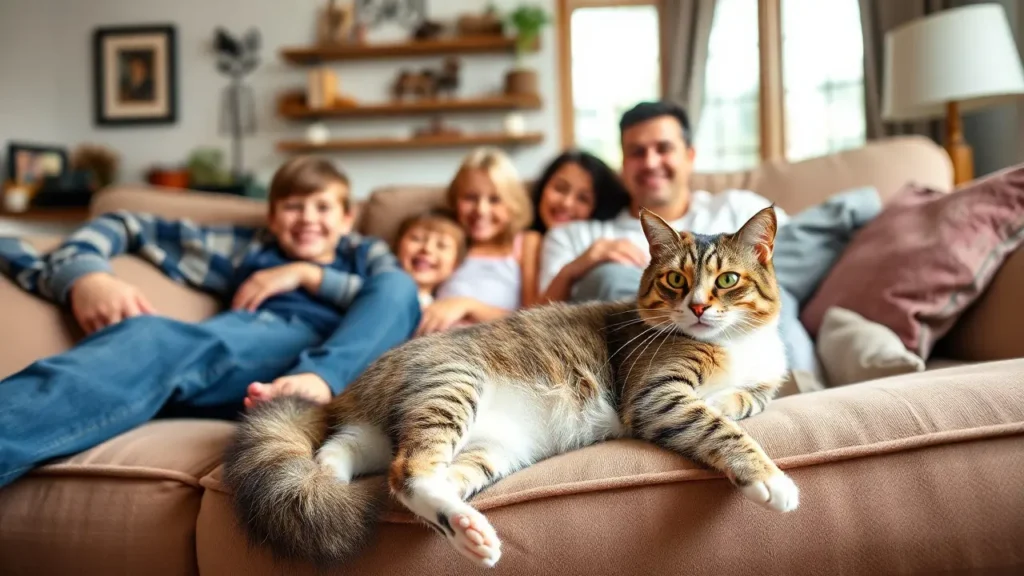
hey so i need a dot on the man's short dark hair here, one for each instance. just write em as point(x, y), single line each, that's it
point(645, 111)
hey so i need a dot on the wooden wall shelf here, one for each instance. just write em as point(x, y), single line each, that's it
point(459, 45)
point(296, 111)
point(497, 139)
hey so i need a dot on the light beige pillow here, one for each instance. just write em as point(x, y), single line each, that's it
point(854, 349)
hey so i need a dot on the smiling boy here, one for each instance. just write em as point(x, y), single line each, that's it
point(311, 305)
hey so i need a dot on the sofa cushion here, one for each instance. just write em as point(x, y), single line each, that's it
point(382, 213)
point(926, 258)
point(854, 349)
point(921, 470)
point(127, 506)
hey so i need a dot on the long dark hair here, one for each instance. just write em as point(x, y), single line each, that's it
point(610, 195)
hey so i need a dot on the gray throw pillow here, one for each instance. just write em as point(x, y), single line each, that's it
point(811, 241)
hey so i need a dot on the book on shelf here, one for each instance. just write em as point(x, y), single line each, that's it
point(321, 88)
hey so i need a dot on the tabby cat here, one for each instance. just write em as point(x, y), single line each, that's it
point(447, 415)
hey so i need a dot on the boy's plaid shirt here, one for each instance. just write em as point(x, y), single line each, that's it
point(205, 257)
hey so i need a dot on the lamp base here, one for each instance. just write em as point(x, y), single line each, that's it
point(959, 151)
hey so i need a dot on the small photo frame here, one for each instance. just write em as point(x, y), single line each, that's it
point(30, 164)
point(136, 77)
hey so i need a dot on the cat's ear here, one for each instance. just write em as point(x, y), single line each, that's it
point(759, 233)
point(660, 235)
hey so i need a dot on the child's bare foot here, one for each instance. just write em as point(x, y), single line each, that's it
point(307, 385)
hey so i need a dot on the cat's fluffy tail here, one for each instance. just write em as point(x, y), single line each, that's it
point(284, 499)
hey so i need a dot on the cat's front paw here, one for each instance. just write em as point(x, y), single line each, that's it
point(777, 492)
point(726, 404)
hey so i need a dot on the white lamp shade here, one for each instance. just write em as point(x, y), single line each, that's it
point(965, 55)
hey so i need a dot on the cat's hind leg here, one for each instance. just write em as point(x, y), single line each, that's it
point(433, 433)
point(354, 450)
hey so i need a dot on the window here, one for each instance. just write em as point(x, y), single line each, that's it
point(822, 55)
point(614, 62)
point(783, 77)
point(823, 76)
point(727, 134)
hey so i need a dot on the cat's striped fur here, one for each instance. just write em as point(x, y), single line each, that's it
point(447, 415)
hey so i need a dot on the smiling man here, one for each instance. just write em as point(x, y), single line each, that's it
point(603, 260)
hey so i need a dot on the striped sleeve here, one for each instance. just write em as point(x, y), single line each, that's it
point(21, 262)
point(201, 256)
point(372, 257)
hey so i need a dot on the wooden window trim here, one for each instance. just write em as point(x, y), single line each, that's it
point(563, 15)
point(772, 95)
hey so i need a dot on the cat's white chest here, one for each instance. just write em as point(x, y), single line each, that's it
point(757, 358)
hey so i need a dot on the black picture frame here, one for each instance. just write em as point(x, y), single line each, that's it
point(19, 154)
point(135, 75)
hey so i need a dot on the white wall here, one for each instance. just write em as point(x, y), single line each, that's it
point(29, 65)
point(53, 97)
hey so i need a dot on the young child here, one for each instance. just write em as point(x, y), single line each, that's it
point(493, 207)
point(429, 247)
point(311, 305)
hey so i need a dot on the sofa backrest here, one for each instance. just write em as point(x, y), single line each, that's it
point(885, 164)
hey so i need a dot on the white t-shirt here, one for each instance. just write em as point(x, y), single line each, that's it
point(708, 213)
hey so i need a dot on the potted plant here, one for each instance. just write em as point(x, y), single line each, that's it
point(527, 21)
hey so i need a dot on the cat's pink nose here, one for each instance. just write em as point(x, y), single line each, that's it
point(698, 309)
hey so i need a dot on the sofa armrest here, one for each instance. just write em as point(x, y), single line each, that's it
point(202, 207)
point(35, 328)
point(993, 327)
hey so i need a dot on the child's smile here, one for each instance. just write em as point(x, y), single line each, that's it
point(428, 255)
point(309, 227)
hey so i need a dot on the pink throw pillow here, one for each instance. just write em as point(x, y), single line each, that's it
point(928, 256)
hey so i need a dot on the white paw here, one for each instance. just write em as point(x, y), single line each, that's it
point(474, 537)
point(777, 493)
point(720, 404)
point(337, 459)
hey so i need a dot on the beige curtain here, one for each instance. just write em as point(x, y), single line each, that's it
point(877, 17)
point(686, 28)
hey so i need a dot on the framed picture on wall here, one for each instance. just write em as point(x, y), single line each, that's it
point(135, 75)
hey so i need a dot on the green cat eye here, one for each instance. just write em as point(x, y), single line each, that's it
point(675, 280)
point(727, 280)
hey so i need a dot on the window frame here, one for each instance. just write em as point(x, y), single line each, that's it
point(563, 19)
point(771, 95)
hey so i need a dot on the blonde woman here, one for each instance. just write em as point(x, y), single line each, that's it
point(493, 207)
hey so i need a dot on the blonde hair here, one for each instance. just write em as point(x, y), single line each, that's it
point(304, 175)
point(503, 175)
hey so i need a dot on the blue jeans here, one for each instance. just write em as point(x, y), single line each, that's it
point(121, 376)
point(613, 281)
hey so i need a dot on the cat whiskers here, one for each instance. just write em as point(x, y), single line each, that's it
point(632, 321)
point(637, 310)
point(612, 355)
point(656, 350)
point(624, 324)
point(658, 331)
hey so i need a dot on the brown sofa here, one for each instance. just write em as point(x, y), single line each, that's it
point(916, 474)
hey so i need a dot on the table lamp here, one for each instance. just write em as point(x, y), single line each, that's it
point(953, 61)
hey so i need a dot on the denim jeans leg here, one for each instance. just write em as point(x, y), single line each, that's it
point(250, 348)
point(119, 378)
point(383, 315)
point(800, 351)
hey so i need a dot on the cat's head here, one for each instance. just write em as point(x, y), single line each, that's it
point(712, 288)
